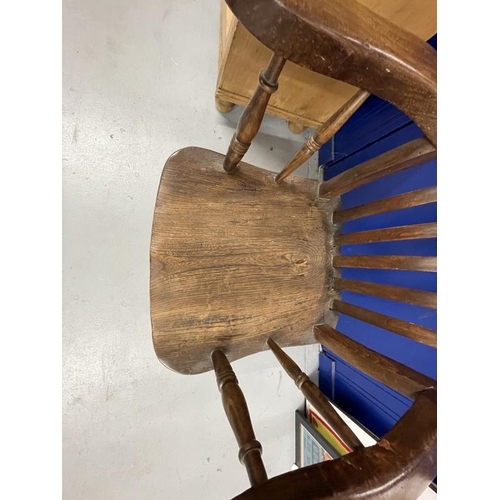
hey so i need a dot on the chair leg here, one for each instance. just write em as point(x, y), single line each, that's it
point(237, 413)
point(250, 120)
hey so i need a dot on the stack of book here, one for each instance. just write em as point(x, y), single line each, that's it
point(316, 441)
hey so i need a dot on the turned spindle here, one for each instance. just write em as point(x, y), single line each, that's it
point(249, 123)
point(237, 413)
point(315, 397)
point(323, 134)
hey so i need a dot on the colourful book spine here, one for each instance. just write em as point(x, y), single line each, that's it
point(327, 432)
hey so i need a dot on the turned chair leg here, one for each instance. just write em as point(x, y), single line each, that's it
point(237, 413)
point(250, 120)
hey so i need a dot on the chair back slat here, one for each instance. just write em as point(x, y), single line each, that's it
point(391, 373)
point(403, 328)
point(397, 233)
point(397, 262)
point(398, 202)
point(421, 298)
point(408, 155)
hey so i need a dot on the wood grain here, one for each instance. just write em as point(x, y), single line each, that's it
point(408, 155)
point(399, 467)
point(345, 40)
point(397, 233)
point(305, 97)
point(235, 259)
point(398, 262)
point(421, 298)
point(315, 397)
point(403, 328)
point(251, 119)
point(237, 413)
point(391, 373)
point(398, 202)
point(323, 134)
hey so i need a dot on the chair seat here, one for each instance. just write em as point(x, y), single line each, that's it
point(235, 258)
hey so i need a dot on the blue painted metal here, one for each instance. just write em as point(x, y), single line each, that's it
point(352, 138)
point(326, 374)
point(374, 129)
point(360, 395)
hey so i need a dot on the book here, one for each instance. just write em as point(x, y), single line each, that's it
point(330, 434)
point(310, 446)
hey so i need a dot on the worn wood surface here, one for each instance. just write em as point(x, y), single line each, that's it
point(398, 262)
point(236, 409)
point(305, 97)
point(405, 200)
point(391, 373)
point(345, 40)
point(251, 119)
point(315, 397)
point(403, 328)
point(323, 134)
point(397, 233)
point(399, 467)
point(235, 258)
point(408, 155)
point(407, 295)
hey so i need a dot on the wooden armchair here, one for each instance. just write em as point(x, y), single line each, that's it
point(243, 260)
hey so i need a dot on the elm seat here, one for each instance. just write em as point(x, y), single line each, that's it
point(235, 259)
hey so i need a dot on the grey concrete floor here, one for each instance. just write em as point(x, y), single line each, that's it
point(138, 84)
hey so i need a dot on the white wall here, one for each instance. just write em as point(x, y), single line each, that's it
point(138, 83)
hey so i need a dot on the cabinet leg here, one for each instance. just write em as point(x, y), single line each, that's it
point(296, 128)
point(223, 106)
